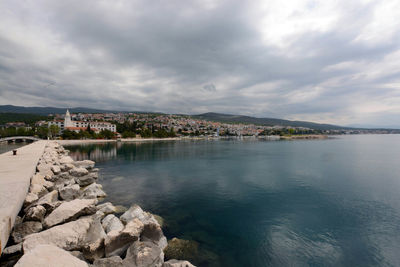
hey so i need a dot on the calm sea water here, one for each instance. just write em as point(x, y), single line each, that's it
point(8, 147)
point(266, 203)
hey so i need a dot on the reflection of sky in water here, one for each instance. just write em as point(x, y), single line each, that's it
point(330, 202)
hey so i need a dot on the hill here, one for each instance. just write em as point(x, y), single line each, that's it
point(228, 118)
point(47, 110)
point(21, 117)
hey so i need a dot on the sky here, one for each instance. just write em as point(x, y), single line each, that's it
point(323, 61)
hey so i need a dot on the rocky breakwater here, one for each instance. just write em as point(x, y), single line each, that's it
point(62, 223)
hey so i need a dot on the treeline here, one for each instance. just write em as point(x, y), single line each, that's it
point(29, 119)
point(130, 130)
point(88, 134)
point(41, 132)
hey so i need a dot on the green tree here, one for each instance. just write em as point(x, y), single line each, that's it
point(54, 130)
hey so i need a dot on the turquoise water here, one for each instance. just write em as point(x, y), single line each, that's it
point(329, 202)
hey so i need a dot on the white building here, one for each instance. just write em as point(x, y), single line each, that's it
point(77, 126)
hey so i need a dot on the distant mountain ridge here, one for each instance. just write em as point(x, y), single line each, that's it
point(227, 118)
point(47, 110)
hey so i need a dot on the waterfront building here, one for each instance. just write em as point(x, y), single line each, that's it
point(77, 126)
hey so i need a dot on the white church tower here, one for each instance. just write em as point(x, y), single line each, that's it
point(67, 120)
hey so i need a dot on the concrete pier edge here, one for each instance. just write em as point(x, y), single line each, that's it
point(15, 177)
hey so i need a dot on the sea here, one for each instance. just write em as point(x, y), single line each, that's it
point(247, 202)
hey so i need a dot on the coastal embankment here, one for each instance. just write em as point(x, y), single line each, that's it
point(63, 221)
point(133, 140)
point(96, 141)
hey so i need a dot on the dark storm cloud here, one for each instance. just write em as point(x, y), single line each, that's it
point(332, 61)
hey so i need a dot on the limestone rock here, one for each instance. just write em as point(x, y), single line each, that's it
point(136, 212)
point(70, 192)
point(114, 261)
point(107, 208)
point(93, 191)
point(38, 179)
point(66, 167)
point(87, 164)
point(48, 201)
point(78, 254)
point(38, 190)
point(177, 263)
point(77, 172)
point(66, 160)
point(44, 169)
point(68, 236)
point(55, 169)
point(86, 179)
point(69, 211)
point(24, 229)
point(50, 197)
point(94, 242)
point(117, 242)
point(65, 181)
point(12, 250)
point(48, 185)
point(152, 232)
point(30, 198)
point(144, 254)
point(112, 223)
point(49, 255)
point(36, 213)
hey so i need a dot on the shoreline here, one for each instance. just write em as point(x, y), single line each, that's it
point(123, 140)
point(142, 140)
point(64, 222)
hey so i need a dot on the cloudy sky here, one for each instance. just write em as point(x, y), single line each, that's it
point(324, 61)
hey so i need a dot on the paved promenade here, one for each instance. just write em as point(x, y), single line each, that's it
point(15, 174)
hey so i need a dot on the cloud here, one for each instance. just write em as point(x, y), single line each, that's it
point(210, 87)
point(329, 61)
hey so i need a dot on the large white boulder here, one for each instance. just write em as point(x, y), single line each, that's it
point(112, 223)
point(93, 247)
point(107, 208)
point(69, 192)
point(77, 172)
point(24, 229)
point(49, 255)
point(144, 254)
point(87, 164)
point(117, 242)
point(136, 212)
point(87, 179)
point(66, 160)
point(93, 191)
point(68, 236)
point(70, 210)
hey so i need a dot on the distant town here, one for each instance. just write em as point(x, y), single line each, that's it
point(152, 125)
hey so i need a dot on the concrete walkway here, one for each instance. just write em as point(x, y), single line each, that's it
point(15, 175)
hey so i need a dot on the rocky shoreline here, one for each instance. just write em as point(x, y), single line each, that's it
point(63, 224)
